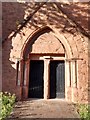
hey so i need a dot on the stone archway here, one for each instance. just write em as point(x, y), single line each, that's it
point(30, 51)
point(41, 30)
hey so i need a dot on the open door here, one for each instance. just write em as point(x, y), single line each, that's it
point(36, 79)
point(57, 79)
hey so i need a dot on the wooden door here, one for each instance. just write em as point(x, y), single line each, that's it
point(57, 79)
point(36, 79)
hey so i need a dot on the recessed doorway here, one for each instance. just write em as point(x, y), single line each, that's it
point(57, 79)
point(36, 79)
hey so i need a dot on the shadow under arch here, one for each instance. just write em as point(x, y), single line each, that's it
point(35, 34)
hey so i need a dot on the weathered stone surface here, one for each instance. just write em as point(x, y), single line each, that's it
point(47, 43)
point(13, 14)
point(42, 109)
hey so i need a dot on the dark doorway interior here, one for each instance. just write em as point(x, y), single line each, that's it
point(57, 79)
point(36, 79)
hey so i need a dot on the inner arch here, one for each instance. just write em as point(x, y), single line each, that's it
point(41, 33)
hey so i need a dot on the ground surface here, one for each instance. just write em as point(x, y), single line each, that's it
point(38, 108)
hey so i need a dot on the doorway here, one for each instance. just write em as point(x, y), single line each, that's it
point(36, 79)
point(57, 79)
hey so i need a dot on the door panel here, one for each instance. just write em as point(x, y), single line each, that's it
point(60, 80)
point(57, 79)
point(52, 80)
point(36, 79)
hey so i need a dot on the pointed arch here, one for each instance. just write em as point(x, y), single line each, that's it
point(35, 34)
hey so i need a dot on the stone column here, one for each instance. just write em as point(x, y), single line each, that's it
point(26, 79)
point(67, 73)
point(68, 80)
point(74, 81)
point(21, 78)
point(46, 79)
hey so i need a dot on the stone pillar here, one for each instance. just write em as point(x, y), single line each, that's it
point(21, 79)
point(46, 79)
point(67, 73)
point(68, 80)
point(74, 74)
point(74, 81)
point(26, 79)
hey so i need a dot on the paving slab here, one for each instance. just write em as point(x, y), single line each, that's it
point(40, 108)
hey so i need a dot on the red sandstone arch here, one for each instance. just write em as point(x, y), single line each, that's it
point(68, 51)
point(61, 38)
